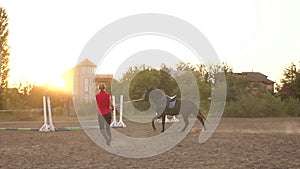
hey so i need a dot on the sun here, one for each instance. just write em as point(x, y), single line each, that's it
point(52, 81)
point(36, 79)
point(55, 81)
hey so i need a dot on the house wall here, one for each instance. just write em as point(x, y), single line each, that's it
point(81, 84)
point(270, 87)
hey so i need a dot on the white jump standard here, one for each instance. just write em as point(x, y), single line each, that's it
point(114, 123)
point(167, 120)
point(46, 126)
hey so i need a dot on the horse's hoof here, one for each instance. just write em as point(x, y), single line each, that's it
point(162, 131)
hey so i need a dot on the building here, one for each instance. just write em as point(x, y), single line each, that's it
point(256, 77)
point(81, 84)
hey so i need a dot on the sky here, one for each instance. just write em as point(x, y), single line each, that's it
point(47, 37)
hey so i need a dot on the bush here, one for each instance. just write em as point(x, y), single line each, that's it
point(271, 106)
point(58, 111)
point(292, 107)
point(264, 105)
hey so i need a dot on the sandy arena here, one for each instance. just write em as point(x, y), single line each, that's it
point(237, 143)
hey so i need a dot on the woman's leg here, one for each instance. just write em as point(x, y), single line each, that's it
point(103, 128)
point(107, 118)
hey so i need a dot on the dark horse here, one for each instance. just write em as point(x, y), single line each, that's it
point(161, 103)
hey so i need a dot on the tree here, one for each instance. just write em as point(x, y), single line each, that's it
point(167, 83)
point(236, 87)
point(290, 83)
point(183, 66)
point(143, 80)
point(4, 56)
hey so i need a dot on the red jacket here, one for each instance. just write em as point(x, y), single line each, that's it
point(102, 99)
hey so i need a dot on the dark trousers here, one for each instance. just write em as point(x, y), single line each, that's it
point(104, 125)
point(104, 120)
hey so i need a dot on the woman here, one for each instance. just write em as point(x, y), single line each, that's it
point(105, 106)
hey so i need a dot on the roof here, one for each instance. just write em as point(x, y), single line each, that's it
point(86, 62)
point(256, 77)
point(103, 76)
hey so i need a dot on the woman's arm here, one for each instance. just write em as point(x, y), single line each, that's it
point(112, 107)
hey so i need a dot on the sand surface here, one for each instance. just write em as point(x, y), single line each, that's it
point(237, 143)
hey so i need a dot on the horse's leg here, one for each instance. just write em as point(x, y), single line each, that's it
point(155, 118)
point(186, 122)
point(163, 119)
point(153, 125)
point(201, 120)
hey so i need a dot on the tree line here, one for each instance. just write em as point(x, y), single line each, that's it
point(244, 98)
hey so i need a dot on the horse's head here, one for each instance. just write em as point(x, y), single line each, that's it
point(156, 96)
point(146, 94)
